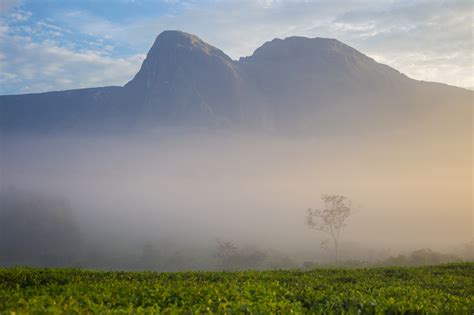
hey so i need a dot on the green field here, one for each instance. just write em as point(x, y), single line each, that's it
point(437, 289)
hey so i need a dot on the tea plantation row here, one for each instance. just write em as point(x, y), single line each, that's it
point(434, 289)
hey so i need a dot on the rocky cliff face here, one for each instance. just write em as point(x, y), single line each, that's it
point(183, 79)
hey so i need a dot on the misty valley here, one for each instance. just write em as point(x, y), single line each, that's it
point(201, 200)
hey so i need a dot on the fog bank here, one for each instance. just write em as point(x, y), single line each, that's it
point(178, 191)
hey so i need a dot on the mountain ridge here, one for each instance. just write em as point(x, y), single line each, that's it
point(242, 58)
point(286, 85)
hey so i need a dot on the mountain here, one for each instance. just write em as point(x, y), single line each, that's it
point(296, 84)
point(184, 79)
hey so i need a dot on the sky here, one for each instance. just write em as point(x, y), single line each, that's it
point(48, 45)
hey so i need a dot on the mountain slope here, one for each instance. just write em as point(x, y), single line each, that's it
point(58, 111)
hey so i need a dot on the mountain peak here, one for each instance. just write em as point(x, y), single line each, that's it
point(175, 39)
point(176, 34)
point(175, 54)
point(178, 37)
point(297, 46)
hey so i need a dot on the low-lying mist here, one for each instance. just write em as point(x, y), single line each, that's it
point(170, 200)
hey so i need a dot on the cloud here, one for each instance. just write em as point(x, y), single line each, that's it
point(427, 40)
point(27, 66)
point(7, 5)
point(126, 33)
point(20, 16)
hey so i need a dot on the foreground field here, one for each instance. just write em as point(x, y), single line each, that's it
point(438, 289)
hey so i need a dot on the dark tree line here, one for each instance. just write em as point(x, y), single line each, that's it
point(37, 230)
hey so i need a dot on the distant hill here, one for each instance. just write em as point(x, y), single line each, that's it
point(296, 84)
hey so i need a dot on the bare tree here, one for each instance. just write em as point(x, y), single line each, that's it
point(332, 218)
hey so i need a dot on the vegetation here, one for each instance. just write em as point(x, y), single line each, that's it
point(331, 219)
point(430, 289)
point(231, 257)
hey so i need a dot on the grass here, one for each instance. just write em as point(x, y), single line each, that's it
point(447, 289)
